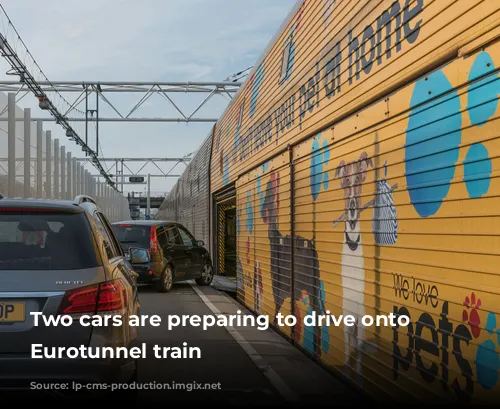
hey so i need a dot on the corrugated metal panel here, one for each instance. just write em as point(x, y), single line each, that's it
point(264, 244)
point(342, 55)
point(188, 201)
point(402, 203)
point(395, 190)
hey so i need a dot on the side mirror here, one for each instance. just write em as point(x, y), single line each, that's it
point(200, 243)
point(139, 256)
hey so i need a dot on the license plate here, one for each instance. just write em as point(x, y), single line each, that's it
point(12, 312)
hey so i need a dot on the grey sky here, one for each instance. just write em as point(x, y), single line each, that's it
point(152, 40)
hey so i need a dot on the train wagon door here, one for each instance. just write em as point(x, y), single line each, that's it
point(225, 252)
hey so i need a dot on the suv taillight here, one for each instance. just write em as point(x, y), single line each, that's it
point(110, 296)
point(153, 240)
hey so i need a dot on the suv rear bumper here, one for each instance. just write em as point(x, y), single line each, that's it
point(148, 273)
point(23, 372)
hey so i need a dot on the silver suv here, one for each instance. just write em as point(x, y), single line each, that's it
point(62, 258)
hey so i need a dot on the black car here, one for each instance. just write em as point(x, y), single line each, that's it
point(173, 254)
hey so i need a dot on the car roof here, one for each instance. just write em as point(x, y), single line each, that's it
point(47, 204)
point(145, 222)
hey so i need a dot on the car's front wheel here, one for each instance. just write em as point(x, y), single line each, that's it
point(166, 281)
point(207, 275)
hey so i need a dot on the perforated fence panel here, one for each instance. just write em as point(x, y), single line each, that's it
point(188, 202)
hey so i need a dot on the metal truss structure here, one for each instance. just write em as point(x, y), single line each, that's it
point(19, 67)
point(71, 114)
point(119, 166)
point(97, 91)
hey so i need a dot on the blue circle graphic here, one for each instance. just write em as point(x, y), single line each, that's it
point(432, 142)
point(482, 96)
point(477, 171)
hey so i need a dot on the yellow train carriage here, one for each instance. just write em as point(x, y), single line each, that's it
point(364, 157)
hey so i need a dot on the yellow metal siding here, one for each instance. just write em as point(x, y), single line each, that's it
point(275, 113)
point(446, 252)
point(264, 247)
point(394, 196)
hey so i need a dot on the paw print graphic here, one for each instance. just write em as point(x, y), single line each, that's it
point(487, 356)
point(442, 140)
point(472, 317)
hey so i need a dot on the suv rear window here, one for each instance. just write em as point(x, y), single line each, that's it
point(46, 241)
point(130, 235)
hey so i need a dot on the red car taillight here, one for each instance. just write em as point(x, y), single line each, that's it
point(153, 240)
point(109, 296)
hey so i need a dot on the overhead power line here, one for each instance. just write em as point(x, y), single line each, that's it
point(19, 68)
point(239, 75)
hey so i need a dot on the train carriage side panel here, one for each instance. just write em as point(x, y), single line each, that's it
point(402, 200)
point(188, 202)
point(264, 239)
point(390, 110)
point(331, 59)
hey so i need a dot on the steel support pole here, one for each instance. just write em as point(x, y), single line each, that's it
point(86, 182)
point(81, 183)
point(106, 204)
point(69, 190)
point(63, 173)
point(98, 192)
point(11, 141)
point(74, 182)
point(88, 191)
point(39, 159)
point(112, 203)
point(48, 163)
point(27, 152)
point(148, 200)
point(78, 180)
point(56, 169)
point(103, 200)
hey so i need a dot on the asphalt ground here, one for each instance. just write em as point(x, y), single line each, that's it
point(239, 366)
point(223, 363)
point(251, 367)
